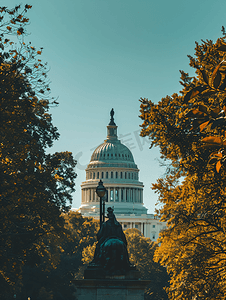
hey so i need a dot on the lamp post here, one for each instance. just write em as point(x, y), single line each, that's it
point(101, 190)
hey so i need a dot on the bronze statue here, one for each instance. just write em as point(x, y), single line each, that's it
point(112, 121)
point(111, 250)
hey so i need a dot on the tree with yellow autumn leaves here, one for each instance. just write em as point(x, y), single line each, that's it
point(190, 130)
point(35, 187)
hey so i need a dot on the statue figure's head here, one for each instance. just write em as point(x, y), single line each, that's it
point(110, 213)
point(111, 216)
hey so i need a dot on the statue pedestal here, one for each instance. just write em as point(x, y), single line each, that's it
point(115, 288)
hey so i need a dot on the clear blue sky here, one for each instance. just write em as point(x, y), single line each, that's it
point(109, 53)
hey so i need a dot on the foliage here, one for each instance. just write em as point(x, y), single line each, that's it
point(56, 282)
point(35, 186)
point(141, 251)
point(190, 132)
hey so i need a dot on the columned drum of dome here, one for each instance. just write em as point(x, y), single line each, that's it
point(113, 163)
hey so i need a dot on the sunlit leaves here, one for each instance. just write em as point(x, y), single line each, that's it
point(190, 131)
point(35, 187)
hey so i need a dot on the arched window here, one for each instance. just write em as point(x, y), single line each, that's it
point(102, 174)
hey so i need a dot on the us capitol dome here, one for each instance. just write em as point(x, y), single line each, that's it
point(113, 163)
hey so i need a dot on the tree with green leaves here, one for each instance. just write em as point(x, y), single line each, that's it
point(189, 128)
point(35, 186)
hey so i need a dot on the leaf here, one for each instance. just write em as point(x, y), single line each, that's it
point(218, 122)
point(204, 76)
point(213, 160)
point(196, 123)
point(216, 140)
point(194, 92)
point(218, 166)
point(203, 125)
point(215, 72)
point(223, 85)
point(214, 112)
point(217, 80)
point(195, 113)
point(222, 47)
point(203, 108)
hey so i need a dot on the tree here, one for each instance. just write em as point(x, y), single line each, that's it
point(190, 132)
point(56, 282)
point(35, 186)
point(141, 252)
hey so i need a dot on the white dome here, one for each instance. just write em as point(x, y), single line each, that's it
point(112, 150)
point(113, 163)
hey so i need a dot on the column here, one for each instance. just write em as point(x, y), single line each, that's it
point(145, 229)
point(109, 194)
point(142, 227)
point(91, 195)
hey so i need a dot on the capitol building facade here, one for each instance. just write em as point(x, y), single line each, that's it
point(113, 163)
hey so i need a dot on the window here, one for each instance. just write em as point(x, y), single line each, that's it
point(121, 175)
point(136, 226)
point(111, 174)
point(125, 175)
point(129, 175)
point(111, 195)
point(97, 175)
point(93, 175)
point(127, 195)
point(132, 175)
point(153, 226)
point(116, 174)
point(116, 195)
point(102, 174)
point(125, 226)
point(106, 174)
point(122, 195)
